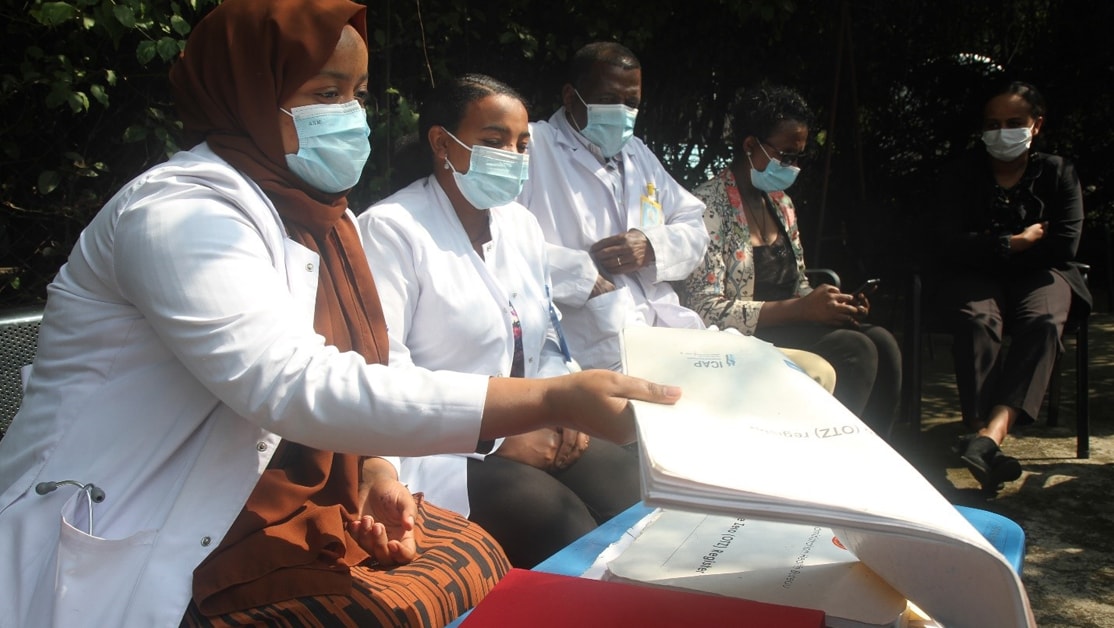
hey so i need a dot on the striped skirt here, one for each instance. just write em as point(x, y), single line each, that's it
point(457, 565)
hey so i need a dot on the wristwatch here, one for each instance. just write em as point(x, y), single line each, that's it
point(1004, 245)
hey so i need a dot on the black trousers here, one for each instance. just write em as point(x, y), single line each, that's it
point(533, 513)
point(867, 362)
point(1032, 307)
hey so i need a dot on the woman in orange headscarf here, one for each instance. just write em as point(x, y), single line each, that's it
point(210, 379)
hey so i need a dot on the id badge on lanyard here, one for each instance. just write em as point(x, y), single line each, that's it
point(651, 214)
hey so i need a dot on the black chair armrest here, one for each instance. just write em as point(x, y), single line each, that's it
point(817, 276)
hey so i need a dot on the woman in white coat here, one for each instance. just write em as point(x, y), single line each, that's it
point(462, 275)
point(211, 375)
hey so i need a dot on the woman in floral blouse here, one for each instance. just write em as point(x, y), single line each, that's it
point(753, 275)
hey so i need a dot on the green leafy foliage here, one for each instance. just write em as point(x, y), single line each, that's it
point(85, 107)
point(85, 102)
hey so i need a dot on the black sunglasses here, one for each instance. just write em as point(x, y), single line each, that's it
point(784, 158)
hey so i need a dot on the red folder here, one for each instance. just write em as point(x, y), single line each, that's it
point(542, 600)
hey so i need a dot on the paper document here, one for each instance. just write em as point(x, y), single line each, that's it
point(753, 437)
point(766, 561)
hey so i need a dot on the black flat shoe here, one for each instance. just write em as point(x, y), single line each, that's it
point(992, 468)
point(961, 442)
point(1004, 468)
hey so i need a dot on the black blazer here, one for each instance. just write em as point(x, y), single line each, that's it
point(968, 238)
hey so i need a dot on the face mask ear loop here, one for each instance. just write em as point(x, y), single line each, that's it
point(763, 149)
point(768, 158)
point(450, 133)
point(448, 164)
point(572, 118)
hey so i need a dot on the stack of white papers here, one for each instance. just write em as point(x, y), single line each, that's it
point(773, 562)
point(753, 436)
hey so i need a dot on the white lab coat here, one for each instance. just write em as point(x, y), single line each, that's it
point(570, 193)
point(447, 308)
point(176, 347)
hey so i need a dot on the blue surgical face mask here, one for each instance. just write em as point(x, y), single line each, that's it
point(494, 176)
point(609, 127)
point(776, 177)
point(1007, 144)
point(333, 145)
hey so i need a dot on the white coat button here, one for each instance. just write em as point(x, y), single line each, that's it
point(206, 541)
point(531, 360)
point(261, 446)
point(309, 267)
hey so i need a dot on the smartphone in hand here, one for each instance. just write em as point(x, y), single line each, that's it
point(867, 288)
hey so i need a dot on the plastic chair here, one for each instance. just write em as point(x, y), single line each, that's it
point(19, 334)
point(1003, 533)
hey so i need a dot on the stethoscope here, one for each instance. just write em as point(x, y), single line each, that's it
point(93, 494)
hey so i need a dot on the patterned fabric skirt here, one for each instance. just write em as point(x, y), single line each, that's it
point(457, 565)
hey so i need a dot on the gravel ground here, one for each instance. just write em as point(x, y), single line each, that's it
point(1064, 504)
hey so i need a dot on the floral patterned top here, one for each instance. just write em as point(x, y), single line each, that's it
point(721, 289)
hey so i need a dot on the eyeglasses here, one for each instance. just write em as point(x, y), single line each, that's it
point(784, 158)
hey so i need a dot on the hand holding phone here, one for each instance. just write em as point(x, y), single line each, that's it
point(868, 287)
point(860, 297)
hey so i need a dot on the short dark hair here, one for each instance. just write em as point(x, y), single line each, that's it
point(1026, 91)
point(759, 110)
point(445, 106)
point(584, 60)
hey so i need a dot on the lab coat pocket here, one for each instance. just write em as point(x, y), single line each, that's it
point(595, 341)
point(95, 576)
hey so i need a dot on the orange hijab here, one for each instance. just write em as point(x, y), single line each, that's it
point(241, 61)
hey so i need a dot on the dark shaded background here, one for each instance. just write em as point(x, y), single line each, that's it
point(896, 87)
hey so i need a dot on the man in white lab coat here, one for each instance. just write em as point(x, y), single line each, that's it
point(619, 227)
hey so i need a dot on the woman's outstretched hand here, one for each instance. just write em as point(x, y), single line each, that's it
point(595, 402)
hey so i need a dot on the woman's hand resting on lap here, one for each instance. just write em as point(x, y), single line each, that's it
point(386, 527)
point(548, 449)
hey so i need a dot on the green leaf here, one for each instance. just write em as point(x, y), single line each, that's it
point(49, 181)
point(78, 101)
point(54, 13)
point(98, 92)
point(110, 77)
point(180, 25)
point(145, 51)
point(135, 133)
point(125, 15)
point(168, 48)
